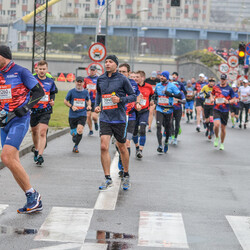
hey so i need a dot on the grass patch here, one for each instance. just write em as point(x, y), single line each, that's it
point(60, 115)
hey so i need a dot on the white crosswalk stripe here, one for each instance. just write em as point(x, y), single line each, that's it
point(157, 229)
point(66, 224)
point(241, 228)
point(3, 207)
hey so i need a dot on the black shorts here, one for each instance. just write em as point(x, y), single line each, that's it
point(223, 116)
point(131, 126)
point(234, 109)
point(73, 122)
point(92, 107)
point(37, 118)
point(199, 102)
point(116, 129)
point(208, 110)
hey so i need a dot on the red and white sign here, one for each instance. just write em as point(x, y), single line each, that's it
point(99, 67)
point(233, 74)
point(97, 52)
point(224, 68)
point(242, 77)
point(233, 61)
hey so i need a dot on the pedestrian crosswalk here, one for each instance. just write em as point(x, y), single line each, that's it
point(69, 226)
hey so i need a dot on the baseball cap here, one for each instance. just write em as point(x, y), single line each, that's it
point(92, 67)
point(223, 76)
point(245, 81)
point(79, 79)
point(201, 75)
point(234, 85)
point(153, 73)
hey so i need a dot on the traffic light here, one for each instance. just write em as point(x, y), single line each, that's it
point(101, 38)
point(176, 3)
point(242, 53)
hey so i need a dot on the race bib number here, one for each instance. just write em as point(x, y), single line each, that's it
point(208, 101)
point(220, 100)
point(45, 99)
point(107, 102)
point(91, 86)
point(163, 101)
point(190, 93)
point(143, 102)
point(244, 98)
point(79, 103)
point(5, 93)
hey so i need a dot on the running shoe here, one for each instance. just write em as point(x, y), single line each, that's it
point(198, 129)
point(166, 148)
point(216, 141)
point(33, 203)
point(120, 173)
point(75, 149)
point(39, 160)
point(210, 135)
point(187, 121)
point(245, 126)
point(126, 183)
point(90, 133)
point(222, 146)
point(206, 134)
point(175, 141)
point(139, 154)
point(170, 140)
point(106, 184)
point(179, 132)
point(35, 155)
point(96, 126)
point(160, 150)
point(240, 126)
point(232, 126)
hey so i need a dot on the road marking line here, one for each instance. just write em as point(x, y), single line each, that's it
point(157, 229)
point(66, 224)
point(3, 207)
point(241, 228)
point(94, 246)
point(60, 247)
point(106, 200)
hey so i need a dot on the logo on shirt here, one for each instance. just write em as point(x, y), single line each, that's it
point(12, 76)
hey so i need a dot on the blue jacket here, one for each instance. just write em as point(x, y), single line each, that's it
point(120, 85)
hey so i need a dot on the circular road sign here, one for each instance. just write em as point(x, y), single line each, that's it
point(233, 74)
point(100, 69)
point(233, 61)
point(248, 49)
point(97, 52)
point(223, 68)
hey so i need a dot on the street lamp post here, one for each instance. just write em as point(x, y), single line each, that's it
point(72, 51)
point(132, 37)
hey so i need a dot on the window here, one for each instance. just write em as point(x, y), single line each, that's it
point(178, 12)
point(186, 11)
point(87, 8)
point(13, 3)
point(69, 4)
point(25, 1)
point(77, 5)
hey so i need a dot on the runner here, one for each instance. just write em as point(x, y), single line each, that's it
point(244, 94)
point(130, 112)
point(90, 84)
point(153, 80)
point(235, 107)
point(147, 92)
point(113, 91)
point(209, 107)
point(222, 95)
point(15, 104)
point(42, 111)
point(77, 99)
point(189, 101)
point(163, 97)
point(199, 100)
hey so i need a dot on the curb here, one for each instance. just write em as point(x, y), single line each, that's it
point(27, 149)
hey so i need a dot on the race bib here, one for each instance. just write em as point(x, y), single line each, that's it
point(91, 86)
point(5, 93)
point(79, 103)
point(143, 102)
point(45, 99)
point(107, 102)
point(201, 95)
point(208, 101)
point(220, 100)
point(175, 101)
point(190, 93)
point(244, 98)
point(163, 101)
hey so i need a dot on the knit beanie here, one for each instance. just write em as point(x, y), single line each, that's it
point(5, 52)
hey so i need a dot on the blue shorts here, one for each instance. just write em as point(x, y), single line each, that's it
point(142, 118)
point(13, 133)
point(189, 105)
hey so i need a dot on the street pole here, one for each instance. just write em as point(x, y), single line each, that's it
point(131, 45)
point(107, 22)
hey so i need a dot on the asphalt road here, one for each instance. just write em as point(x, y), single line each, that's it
point(193, 197)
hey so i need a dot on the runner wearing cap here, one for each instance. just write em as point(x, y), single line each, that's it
point(244, 95)
point(114, 91)
point(146, 93)
point(189, 101)
point(235, 107)
point(222, 95)
point(90, 84)
point(42, 111)
point(15, 102)
point(79, 102)
point(153, 80)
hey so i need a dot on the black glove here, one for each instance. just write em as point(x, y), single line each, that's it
point(167, 93)
point(21, 111)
